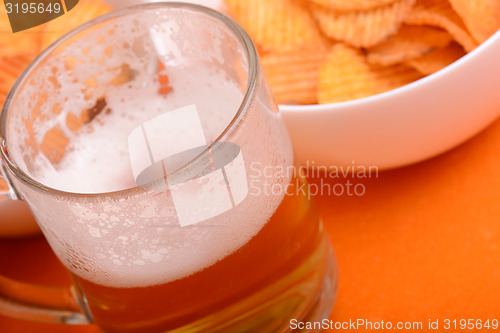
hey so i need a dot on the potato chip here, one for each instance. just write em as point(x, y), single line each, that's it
point(293, 75)
point(346, 75)
point(277, 25)
point(410, 42)
point(438, 59)
point(352, 5)
point(163, 79)
point(73, 123)
point(10, 68)
point(89, 114)
point(438, 13)
point(482, 17)
point(54, 145)
point(84, 12)
point(124, 75)
point(363, 28)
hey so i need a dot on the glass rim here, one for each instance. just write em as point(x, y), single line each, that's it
point(240, 34)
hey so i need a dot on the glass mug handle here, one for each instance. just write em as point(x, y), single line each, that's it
point(35, 302)
point(6, 191)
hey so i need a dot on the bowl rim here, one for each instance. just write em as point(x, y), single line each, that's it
point(339, 106)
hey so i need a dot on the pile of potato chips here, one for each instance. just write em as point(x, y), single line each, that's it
point(315, 51)
point(18, 49)
point(327, 51)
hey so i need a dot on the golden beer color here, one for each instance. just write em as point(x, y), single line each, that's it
point(284, 265)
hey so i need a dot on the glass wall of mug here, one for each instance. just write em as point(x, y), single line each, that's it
point(154, 159)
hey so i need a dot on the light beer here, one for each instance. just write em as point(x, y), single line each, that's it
point(276, 273)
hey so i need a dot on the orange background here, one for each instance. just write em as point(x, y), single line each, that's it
point(422, 243)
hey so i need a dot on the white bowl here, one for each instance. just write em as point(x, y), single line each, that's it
point(399, 127)
point(405, 125)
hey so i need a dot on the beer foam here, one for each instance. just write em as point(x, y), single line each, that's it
point(136, 240)
point(133, 238)
point(97, 160)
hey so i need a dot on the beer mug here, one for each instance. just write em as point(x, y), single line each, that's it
point(149, 148)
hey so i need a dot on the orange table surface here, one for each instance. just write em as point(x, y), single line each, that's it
point(422, 244)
